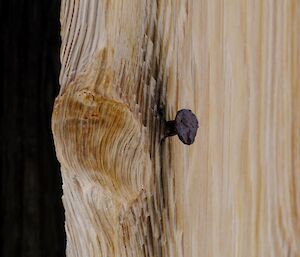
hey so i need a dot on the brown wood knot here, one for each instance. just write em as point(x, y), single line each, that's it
point(185, 126)
point(100, 139)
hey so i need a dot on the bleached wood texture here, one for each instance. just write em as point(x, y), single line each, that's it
point(236, 190)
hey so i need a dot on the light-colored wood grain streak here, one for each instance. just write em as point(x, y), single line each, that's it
point(239, 183)
point(236, 190)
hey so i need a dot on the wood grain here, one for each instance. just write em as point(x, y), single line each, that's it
point(236, 190)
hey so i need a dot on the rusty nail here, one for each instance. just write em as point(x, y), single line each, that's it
point(185, 126)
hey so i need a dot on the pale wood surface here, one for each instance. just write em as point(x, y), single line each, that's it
point(236, 190)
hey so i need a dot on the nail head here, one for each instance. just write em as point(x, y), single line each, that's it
point(185, 126)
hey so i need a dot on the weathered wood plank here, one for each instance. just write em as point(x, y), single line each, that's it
point(235, 192)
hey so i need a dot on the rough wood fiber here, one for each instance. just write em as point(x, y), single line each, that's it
point(236, 191)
